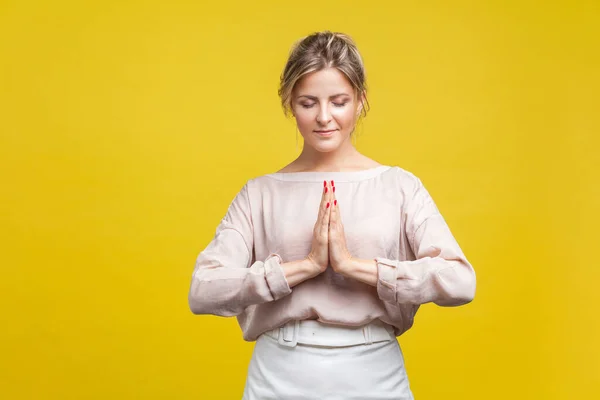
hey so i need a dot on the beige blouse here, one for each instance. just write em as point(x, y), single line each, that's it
point(388, 215)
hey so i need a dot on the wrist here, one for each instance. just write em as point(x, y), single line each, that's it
point(312, 267)
point(346, 266)
point(298, 271)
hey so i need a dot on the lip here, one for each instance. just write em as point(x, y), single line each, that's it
point(325, 133)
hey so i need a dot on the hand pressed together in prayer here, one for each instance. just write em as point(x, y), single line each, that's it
point(329, 240)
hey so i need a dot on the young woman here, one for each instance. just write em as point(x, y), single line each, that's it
point(325, 262)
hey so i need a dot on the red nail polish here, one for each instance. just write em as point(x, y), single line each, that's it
point(324, 183)
point(327, 205)
point(335, 203)
point(332, 184)
point(334, 189)
point(326, 190)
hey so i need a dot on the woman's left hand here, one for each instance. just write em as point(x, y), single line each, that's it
point(339, 256)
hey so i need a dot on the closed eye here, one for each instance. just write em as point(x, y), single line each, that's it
point(335, 104)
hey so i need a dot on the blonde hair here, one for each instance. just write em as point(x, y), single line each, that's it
point(318, 51)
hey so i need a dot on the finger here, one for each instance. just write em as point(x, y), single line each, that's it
point(328, 207)
point(323, 209)
point(335, 205)
point(333, 218)
point(324, 194)
point(326, 217)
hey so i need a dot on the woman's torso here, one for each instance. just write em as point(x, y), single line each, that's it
point(284, 210)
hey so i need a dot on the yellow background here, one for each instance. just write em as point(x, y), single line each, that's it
point(128, 126)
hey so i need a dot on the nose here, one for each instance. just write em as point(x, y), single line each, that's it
point(324, 116)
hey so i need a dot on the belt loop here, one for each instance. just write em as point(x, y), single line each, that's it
point(288, 334)
point(367, 334)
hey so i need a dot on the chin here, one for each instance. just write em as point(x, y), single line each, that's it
point(325, 147)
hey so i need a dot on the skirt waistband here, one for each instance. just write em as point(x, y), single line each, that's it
point(313, 332)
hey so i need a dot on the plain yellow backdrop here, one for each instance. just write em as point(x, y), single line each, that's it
point(128, 126)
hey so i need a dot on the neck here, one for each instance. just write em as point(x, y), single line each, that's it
point(337, 160)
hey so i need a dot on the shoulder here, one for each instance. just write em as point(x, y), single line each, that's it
point(257, 183)
point(255, 187)
point(405, 179)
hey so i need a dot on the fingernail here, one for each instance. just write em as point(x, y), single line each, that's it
point(334, 189)
point(335, 203)
point(326, 190)
point(327, 205)
point(332, 183)
point(324, 183)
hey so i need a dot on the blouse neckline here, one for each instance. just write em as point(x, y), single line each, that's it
point(337, 176)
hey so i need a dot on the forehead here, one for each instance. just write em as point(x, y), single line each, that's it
point(325, 82)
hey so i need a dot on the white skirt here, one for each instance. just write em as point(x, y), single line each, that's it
point(362, 372)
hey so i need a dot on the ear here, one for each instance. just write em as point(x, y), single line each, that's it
point(361, 103)
point(359, 109)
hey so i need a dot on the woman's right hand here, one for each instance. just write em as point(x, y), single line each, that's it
point(319, 253)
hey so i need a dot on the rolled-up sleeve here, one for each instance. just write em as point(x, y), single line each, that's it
point(226, 279)
point(440, 273)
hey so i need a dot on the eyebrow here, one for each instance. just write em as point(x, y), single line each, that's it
point(331, 97)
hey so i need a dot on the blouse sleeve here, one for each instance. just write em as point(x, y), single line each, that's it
point(440, 274)
point(226, 279)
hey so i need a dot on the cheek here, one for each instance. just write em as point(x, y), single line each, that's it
point(344, 117)
point(304, 118)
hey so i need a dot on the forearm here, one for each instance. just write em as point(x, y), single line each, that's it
point(446, 283)
point(361, 270)
point(299, 271)
point(223, 290)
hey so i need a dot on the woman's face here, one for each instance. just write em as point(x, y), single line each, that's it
point(326, 108)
